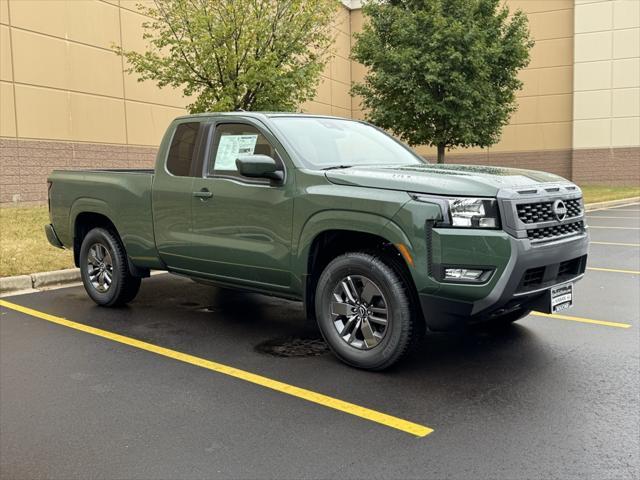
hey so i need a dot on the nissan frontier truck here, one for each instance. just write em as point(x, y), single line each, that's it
point(379, 245)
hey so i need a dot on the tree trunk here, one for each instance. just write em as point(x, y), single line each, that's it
point(441, 153)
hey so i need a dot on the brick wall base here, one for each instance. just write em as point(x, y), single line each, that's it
point(607, 166)
point(25, 164)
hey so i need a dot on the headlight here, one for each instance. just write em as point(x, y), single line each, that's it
point(473, 212)
point(466, 212)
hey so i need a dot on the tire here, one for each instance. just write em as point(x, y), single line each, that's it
point(353, 327)
point(105, 270)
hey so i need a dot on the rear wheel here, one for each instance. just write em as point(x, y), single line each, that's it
point(365, 311)
point(105, 270)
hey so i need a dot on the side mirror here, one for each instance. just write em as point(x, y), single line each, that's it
point(259, 166)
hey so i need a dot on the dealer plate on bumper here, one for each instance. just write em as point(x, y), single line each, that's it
point(561, 297)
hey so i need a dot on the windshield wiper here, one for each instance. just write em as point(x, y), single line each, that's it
point(337, 167)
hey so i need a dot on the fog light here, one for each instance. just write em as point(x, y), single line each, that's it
point(462, 274)
point(488, 223)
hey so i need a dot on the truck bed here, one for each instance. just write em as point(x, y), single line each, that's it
point(112, 170)
point(122, 195)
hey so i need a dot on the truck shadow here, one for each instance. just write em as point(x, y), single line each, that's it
point(464, 365)
point(263, 317)
point(233, 327)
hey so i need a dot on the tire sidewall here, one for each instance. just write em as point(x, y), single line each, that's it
point(102, 236)
point(398, 307)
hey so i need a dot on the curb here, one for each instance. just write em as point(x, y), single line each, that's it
point(71, 275)
point(45, 279)
point(589, 207)
point(39, 280)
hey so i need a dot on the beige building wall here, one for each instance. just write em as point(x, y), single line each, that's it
point(65, 101)
point(606, 127)
point(54, 57)
point(65, 81)
point(544, 115)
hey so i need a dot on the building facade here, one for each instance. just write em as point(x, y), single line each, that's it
point(65, 101)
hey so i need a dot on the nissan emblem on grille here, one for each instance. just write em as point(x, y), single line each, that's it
point(559, 210)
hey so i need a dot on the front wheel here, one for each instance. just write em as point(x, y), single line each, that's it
point(105, 271)
point(365, 311)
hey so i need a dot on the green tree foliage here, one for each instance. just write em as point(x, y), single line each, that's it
point(442, 72)
point(236, 54)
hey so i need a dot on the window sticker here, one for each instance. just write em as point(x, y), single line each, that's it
point(231, 147)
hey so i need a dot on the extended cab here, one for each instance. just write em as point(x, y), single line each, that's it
point(380, 245)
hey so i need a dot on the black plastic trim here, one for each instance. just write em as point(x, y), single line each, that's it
point(52, 236)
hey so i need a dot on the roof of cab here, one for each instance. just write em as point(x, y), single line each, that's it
point(260, 115)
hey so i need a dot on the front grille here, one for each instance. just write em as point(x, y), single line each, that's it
point(574, 208)
point(555, 231)
point(535, 212)
point(542, 211)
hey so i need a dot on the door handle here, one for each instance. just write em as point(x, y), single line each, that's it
point(203, 194)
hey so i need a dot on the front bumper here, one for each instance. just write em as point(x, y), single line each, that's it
point(452, 306)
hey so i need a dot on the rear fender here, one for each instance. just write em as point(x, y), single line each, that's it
point(89, 205)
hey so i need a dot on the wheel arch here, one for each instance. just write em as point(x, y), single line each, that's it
point(83, 223)
point(331, 234)
point(95, 214)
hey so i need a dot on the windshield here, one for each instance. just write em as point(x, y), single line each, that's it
point(330, 142)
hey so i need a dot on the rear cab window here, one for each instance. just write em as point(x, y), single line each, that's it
point(182, 157)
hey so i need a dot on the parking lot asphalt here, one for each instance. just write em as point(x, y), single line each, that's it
point(545, 398)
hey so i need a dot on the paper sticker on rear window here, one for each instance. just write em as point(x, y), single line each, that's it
point(231, 147)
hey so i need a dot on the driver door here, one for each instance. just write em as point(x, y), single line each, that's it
point(242, 227)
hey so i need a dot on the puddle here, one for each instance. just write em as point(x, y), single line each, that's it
point(293, 347)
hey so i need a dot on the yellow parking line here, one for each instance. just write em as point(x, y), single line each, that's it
point(310, 396)
point(582, 320)
point(616, 228)
point(620, 244)
point(614, 270)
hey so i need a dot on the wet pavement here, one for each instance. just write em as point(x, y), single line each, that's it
point(545, 398)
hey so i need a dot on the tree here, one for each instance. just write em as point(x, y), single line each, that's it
point(442, 72)
point(236, 54)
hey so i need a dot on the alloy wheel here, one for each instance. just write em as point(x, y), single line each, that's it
point(100, 267)
point(359, 312)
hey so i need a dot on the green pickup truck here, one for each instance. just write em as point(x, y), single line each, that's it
point(378, 244)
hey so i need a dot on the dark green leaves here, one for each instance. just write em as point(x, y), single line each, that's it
point(442, 72)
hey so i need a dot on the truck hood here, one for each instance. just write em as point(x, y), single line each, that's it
point(456, 180)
